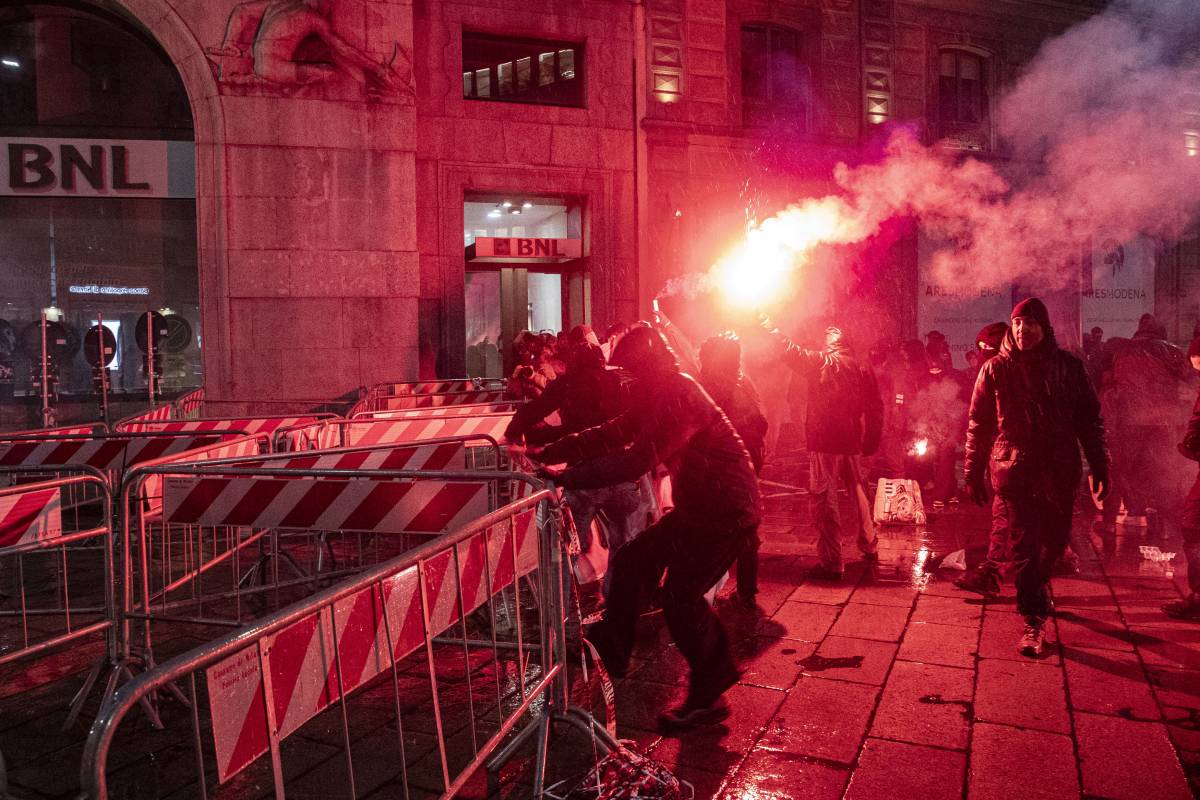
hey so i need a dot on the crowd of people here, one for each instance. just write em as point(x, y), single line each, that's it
point(610, 418)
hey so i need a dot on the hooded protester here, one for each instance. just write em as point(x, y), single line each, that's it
point(717, 506)
point(721, 375)
point(1032, 409)
point(587, 394)
point(1140, 392)
point(844, 422)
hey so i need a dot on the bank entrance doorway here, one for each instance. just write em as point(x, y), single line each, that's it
point(525, 271)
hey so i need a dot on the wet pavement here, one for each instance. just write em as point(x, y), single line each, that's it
point(891, 683)
point(894, 683)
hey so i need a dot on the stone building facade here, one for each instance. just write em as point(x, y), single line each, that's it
point(342, 148)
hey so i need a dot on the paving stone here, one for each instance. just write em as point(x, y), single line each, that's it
point(1009, 762)
point(925, 704)
point(718, 748)
point(884, 623)
point(1168, 647)
point(821, 718)
point(938, 644)
point(897, 769)
point(947, 611)
point(1109, 682)
point(1121, 759)
point(808, 622)
point(827, 592)
point(1001, 632)
point(769, 774)
point(944, 587)
point(771, 662)
point(1029, 695)
point(1093, 629)
point(1178, 693)
point(885, 593)
point(856, 660)
point(1081, 592)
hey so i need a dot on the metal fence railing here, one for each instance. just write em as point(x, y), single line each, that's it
point(407, 678)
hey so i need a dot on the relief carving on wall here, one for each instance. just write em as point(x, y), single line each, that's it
point(290, 47)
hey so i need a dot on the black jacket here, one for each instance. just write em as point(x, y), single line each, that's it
point(740, 403)
point(1190, 446)
point(584, 396)
point(845, 412)
point(673, 421)
point(1030, 413)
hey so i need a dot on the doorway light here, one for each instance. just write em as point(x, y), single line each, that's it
point(11, 63)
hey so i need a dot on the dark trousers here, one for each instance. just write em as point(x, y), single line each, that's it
point(694, 553)
point(1136, 469)
point(747, 566)
point(1037, 529)
point(1190, 523)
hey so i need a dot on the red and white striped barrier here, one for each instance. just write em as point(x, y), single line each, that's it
point(114, 453)
point(438, 400)
point(233, 448)
point(447, 456)
point(158, 413)
point(357, 433)
point(69, 430)
point(426, 506)
point(250, 425)
point(188, 406)
point(30, 516)
point(300, 661)
point(470, 410)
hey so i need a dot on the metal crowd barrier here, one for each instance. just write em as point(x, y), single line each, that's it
point(463, 410)
point(378, 395)
point(411, 429)
point(212, 549)
point(267, 425)
point(400, 668)
point(56, 570)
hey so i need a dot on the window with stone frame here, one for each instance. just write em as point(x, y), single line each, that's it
point(513, 70)
point(777, 82)
point(964, 102)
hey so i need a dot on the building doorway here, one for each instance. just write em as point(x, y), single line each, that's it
point(525, 271)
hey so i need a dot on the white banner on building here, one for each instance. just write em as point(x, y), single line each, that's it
point(1117, 285)
point(956, 311)
point(33, 167)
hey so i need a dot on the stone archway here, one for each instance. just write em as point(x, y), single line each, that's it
point(170, 31)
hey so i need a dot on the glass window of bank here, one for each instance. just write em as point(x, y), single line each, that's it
point(97, 208)
point(513, 70)
point(524, 271)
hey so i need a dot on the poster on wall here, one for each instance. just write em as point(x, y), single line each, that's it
point(956, 311)
point(1117, 285)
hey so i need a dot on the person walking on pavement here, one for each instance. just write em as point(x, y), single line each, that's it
point(721, 376)
point(985, 578)
point(844, 422)
point(717, 507)
point(1033, 408)
point(1189, 607)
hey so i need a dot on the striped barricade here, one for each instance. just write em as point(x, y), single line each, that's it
point(467, 410)
point(394, 630)
point(58, 570)
point(245, 425)
point(113, 454)
point(438, 400)
point(410, 429)
point(188, 406)
point(156, 414)
point(235, 447)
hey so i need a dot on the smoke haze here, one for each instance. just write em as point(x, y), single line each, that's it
point(1102, 128)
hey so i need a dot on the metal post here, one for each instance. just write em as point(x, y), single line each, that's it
point(150, 355)
point(47, 420)
point(103, 369)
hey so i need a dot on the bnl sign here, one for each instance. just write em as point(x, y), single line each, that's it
point(96, 168)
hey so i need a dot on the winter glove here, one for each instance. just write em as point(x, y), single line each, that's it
point(977, 490)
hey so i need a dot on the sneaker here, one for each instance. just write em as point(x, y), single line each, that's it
point(979, 581)
point(1033, 641)
point(687, 716)
point(824, 573)
point(1187, 608)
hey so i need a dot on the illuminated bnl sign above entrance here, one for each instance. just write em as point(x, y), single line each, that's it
point(97, 168)
point(521, 249)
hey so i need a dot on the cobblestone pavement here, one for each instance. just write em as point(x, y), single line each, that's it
point(890, 684)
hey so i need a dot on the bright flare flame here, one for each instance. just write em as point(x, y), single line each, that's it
point(759, 269)
point(920, 447)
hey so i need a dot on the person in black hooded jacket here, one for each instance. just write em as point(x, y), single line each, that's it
point(673, 421)
point(1032, 408)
